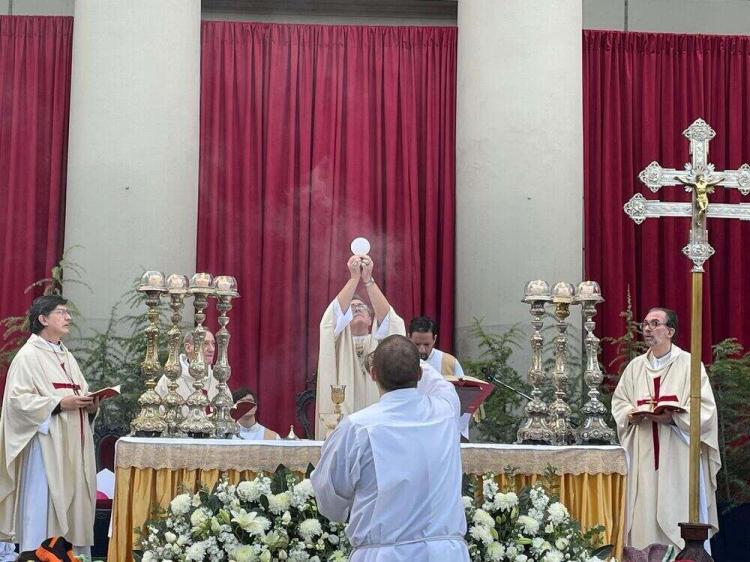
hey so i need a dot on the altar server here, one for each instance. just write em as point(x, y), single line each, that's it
point(47, 464)
point(394, 469)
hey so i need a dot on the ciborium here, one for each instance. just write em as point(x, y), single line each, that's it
point(225, 289)
point(534, 428)
point(593, 429)
point(149, 422)
point(197, 424)
point(177, 287)
point(562, 297)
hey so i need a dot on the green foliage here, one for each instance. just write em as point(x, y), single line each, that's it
point(501, 409)
point(628, 346)
point(730, 379)
point(16, 328)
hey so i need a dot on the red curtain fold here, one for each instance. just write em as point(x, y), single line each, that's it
point(640, 92)
point(312, 135)
point(35, 63)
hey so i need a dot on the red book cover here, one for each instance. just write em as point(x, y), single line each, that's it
point(105, 393)
point(471, 392)
point(240, 409)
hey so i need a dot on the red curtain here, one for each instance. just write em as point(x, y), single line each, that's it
point(640, 92)
point(35, 62)
point(310, 136)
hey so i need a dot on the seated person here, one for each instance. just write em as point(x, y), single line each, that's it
point(185, 382)
point(423, 333)
point(249, 428)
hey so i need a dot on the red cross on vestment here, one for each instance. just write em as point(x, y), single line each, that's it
point(654, 401)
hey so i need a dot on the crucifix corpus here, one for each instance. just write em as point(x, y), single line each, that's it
point(701, 179)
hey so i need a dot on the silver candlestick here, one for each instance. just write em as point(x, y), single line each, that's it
point(534, 428)
point(177, 286)
point(593, 430)
point(225, 289)
point(197, 423)
point(562, 296)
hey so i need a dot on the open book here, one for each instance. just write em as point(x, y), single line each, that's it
point(105, 393)
point(647, 410)
point(471, 392)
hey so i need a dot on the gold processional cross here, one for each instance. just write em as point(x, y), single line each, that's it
point(700, 178)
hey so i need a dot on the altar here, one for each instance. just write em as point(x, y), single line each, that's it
point(149, 472)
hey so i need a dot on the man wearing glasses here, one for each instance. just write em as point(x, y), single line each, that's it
point(349, 331)
point(651, 406)
point(47, 463)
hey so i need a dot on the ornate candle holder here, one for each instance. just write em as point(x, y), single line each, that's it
point(593, 430)
point(562, 296)
point(534, 428)
point(177, 286)
point(338, 395)
point(225, 289)
point(197, 423)
point(148, 422)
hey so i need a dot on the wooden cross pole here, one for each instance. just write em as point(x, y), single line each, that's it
point(700, 178)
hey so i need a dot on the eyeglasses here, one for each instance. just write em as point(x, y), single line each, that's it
point(61, 311)
point(653, 324)
point(360, 308)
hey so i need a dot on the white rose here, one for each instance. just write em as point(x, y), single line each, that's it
point(199, 518)
point(495, 552)
point(265, 556)
point(286, 518)
point(282, 555)
point(558, 513)
point(529, 525)
point(180, 505)
point(481, 517)
point(278, 503)
point(553, 556)
point(170, 537)
point(561, 543)
point(521, 558)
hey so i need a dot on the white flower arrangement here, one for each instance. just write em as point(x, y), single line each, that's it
point(528, 527)
point(270, 520)
point(260, 520)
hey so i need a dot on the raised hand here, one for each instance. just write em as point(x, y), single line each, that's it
point(354, 265)
point(367, 266)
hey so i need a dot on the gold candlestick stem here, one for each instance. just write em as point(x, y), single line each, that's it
point(177, 286)
point(149, 422)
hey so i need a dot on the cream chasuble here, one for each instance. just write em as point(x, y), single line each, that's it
point(35, 384)
point(658, 480)
point(341, 361)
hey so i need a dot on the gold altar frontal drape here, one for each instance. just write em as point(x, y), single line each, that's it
point(150, 472)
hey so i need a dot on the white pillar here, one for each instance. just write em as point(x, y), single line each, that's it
point(133, 153)
point(519, 155)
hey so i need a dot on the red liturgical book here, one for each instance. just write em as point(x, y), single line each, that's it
point(646, 410)
point(471, 392)
point(240, 409)
point(105, 393)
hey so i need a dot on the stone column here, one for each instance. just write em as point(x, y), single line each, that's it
point(519, 156)
point(133, 153)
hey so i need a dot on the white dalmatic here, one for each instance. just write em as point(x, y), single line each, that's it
point(393, 470)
